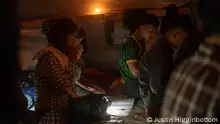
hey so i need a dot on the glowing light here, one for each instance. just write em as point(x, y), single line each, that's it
point(97, 10)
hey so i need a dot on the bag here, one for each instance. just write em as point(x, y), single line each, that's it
point(80, 91)
point(87, 109)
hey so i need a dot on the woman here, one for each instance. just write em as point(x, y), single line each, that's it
point(54, 71)
point(82, 37)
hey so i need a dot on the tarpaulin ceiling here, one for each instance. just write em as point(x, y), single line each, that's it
point(45, 8)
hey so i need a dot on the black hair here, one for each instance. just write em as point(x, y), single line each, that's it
point(208, 11)
point(172, 11)
point(178, 22)
point(46, 26)
point(133, 19)
point(57, 30)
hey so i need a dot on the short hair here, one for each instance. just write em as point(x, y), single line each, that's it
point(178, 22)
point(57, 30)
point(172, 11)
point(208, 12)
point(133, 19)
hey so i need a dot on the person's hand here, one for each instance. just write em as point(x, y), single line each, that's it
point(72, 53)
point(152, 40)
point(79, 52)
point(77, 41)
point(74, 49)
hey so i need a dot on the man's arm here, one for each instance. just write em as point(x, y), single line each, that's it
point(133, 66)
point(129, 55)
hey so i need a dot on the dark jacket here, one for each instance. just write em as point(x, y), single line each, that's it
point(189, 47)
point(156, 66)
point(155, 69)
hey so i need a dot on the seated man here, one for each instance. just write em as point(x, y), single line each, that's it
point(143, 26)
point(155, 68)
point(158, 63)
point(193, 90)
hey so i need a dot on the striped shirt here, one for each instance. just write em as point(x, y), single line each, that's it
point(131, 50)
point(194, 87)
point(51, 79)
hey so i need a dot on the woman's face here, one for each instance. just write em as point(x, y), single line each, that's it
point(72, 40)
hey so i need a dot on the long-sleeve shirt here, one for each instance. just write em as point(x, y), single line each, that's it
point(155, 68)
point(156, 65)
point(194, 87)
point(52, 79)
